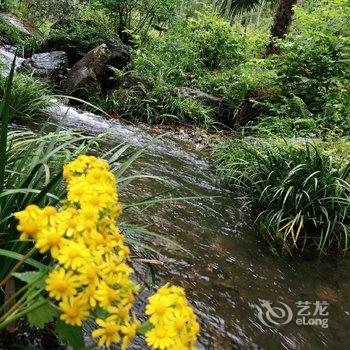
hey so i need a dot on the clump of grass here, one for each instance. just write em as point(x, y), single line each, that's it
point(158, 105)
point(30, 96)
point(302, 198)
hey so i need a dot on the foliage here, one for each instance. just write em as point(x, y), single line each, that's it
point(30, 96)
point(303, 201)
point(190, 48)
point(314, 67)
point(49, 10)
point(77, 37)
point(135, 16)
point(159, 104)
point(305, 89)
point(8, 5)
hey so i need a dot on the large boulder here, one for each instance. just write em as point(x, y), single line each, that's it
point(48, 64)
point(91, 69)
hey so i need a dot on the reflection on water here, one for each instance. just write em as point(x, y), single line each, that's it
point(231, 270)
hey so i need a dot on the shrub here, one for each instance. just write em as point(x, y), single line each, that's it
point(30, 95)
point(49, 10)
point(242, 89)
point(191, 47)
point(77, 37)
point(303, 201)
point(314, 66)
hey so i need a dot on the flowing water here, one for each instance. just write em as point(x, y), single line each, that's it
point(230, 271)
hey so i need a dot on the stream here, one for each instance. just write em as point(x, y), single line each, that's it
point(231, 271)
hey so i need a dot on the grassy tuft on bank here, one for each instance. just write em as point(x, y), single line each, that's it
point(302, 198)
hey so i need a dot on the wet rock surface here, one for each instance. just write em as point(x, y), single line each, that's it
point(48, 64)
point(7, 55)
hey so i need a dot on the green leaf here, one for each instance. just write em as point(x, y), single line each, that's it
point(73, 335)
point(42, 315)
point(101, 313)
point(17, 256)
point(145, 327)
point(35, 278)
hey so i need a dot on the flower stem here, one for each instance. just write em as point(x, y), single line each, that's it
point(22, 313)
point(17, 266)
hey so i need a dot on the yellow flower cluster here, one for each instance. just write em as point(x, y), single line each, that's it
point(173, 320)
point(89, 251)
point(91, 270)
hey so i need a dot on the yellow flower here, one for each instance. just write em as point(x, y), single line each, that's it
point(74, 311)
point(122, 310)
point(89, 295)
point(89, 273)
point(108, 331)
point(49, 239)
point(86, 221)
point(49, 215)
point(73, 254)
point(106, 295)
point(61, 284)
point(174, 322)
point(129, 330)
point(76, 189)
point(160, 337)
point(29, 220)
point(159, 308)
point(179, 321)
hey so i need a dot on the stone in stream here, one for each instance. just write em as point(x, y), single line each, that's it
point(49, 64)
point(93, 69)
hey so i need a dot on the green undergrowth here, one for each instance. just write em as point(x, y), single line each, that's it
point(301, 194)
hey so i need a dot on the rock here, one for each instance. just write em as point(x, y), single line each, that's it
point(94, 68)
point(90, 69)
point(186, 92)
point(135, 82)
point(120, 55)
point(50, 64)
point(19, 24)
point(7, 55)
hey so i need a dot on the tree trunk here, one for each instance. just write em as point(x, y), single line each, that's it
point(282, 22)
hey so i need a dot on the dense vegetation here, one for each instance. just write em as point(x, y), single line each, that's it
point(275, 76)
point(266, 70)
